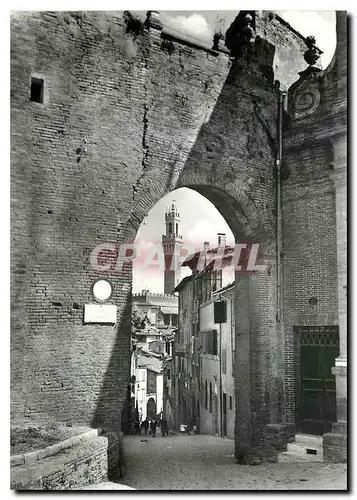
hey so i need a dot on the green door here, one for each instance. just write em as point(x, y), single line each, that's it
point(319, 347)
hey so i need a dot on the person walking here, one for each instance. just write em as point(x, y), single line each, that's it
point(145, 425)
point(164, 428)
point(137, 427)
point(153, 427)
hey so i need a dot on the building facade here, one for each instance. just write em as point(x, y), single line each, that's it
point(152, 344)
point(147, 369)
point(204, 350)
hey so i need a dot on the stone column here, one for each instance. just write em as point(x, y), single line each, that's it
point(335, 443)
point(258, 370)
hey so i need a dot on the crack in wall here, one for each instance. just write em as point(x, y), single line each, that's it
point(271, 139)
point(144, 161)
point(144, 142)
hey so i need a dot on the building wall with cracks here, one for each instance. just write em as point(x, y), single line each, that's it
point(129, 113)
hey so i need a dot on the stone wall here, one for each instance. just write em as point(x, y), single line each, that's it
point(124, 94)
point(92, 461)
point(315, 124)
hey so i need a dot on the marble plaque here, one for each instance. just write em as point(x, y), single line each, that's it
point(100, 313)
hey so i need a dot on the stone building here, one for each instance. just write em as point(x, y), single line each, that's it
point(204, 350)
point(151, 349)
point(160, 309)
point(153, 343)
point(107, 117)
point(148, 395)
point(217, 381)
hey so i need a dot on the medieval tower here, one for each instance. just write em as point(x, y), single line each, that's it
point(172, 243)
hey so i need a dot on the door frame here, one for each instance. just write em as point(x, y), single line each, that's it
point(298, 331)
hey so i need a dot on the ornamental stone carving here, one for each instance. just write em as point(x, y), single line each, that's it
point(307, 101)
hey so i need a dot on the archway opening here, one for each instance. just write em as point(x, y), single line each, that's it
point(151, 408)
point(185, 219)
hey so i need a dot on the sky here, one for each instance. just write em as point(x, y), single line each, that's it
point(201, 24)
point(200, 220)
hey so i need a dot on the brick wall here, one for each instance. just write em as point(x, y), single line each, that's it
point(289, 47)
point(118, 93)
point(316, 119)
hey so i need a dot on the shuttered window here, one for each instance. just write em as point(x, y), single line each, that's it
point(210, 342)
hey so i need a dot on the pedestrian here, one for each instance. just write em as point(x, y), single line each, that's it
point(137, 427)
point(145, 425)
point(153, 427)
point(164, 428)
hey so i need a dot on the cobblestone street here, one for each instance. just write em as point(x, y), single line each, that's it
point(201, 462)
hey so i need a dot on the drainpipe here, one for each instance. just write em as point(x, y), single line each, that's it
point(220, 379)
point(282, 98)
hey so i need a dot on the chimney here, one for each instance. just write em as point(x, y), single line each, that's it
point(206, 246)
point(221, 239)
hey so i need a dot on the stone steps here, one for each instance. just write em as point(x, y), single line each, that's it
point(305, 448)
point(309, 439)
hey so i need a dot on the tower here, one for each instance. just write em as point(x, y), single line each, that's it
point(172, 243)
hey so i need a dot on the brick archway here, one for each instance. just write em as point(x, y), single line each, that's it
point(259, 358)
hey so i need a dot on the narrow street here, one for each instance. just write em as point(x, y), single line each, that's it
point(201, 462)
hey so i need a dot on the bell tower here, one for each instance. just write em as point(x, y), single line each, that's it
point(172, 243)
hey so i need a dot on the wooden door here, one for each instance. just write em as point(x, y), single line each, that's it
point(319, 347)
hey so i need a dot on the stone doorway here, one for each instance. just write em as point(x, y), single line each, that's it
point(318, 349)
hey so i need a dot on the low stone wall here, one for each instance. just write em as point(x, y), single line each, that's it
point(335, 448)
point(33, 456)
point(90, 461)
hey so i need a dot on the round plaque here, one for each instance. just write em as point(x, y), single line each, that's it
point(102, 290)
point(307, 101)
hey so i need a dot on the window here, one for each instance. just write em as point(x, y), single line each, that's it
point(168, 374)
point(167, 319)
point(174, 320)
point(210, 397)
point(140, 376)
point(151, 382)
point(210, 341)
point(224, 361)
point(220, 312)
point(36, 94)
point(176, 229)
point(206, 395)
point(170, 228)
point(230, 402)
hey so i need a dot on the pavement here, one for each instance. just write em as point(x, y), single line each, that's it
point(202, 462)
point(106, 486)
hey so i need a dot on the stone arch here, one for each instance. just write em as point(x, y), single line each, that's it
point(233, 202)
point(258, 374)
